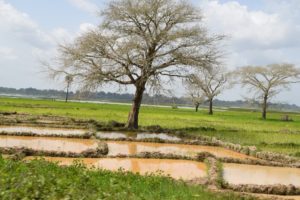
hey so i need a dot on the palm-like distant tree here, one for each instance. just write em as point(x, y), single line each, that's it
point(68, 81)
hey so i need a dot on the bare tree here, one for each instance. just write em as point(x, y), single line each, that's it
point(195, 95)
point(138, 43)
point(267, 81)
point(209, 82)
point(68, 81)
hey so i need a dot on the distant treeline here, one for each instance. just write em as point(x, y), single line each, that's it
point(126, 98)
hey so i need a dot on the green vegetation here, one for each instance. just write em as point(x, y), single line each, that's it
point(234, 125)
point(43, 180)
point(221, 182)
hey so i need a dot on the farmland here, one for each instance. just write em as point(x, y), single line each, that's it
point(238, 126)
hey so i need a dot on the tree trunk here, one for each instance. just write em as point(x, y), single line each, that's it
point(211, 107)
point(197, 106)
point(264, 107)
point(133, 117)
point(67, 94)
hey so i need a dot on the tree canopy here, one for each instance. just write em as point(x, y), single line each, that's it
point(208, 82)
point(267, 81)
point(138, 43)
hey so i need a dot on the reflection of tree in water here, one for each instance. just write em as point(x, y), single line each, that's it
point(135, 167)
point(132, 148)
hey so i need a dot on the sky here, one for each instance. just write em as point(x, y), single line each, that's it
point(259, 32)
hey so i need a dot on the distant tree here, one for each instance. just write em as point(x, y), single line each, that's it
point(138, 43)
point(68, 81)
point(195, 95)
point(207, 83)
point(267, 81)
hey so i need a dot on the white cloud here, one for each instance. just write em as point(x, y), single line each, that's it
point(85, 27)
point(7, 53)
point(22, 43)
point(256, 36)
point(17, 26)
point(256, 29)
point(61, 35)
point(85, 5)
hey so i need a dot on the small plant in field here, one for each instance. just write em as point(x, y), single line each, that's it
point(286, 118)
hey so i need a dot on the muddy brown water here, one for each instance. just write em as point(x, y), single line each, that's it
point(271, 197)
point(129, 148)
point(261, 175)
point(48, 143)
point(137, 136)
point(115, 147)
point(77, 132)
point(42, 131)
point(178, 169)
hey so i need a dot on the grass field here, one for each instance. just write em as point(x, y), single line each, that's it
point(234, 125)
point(42, 180)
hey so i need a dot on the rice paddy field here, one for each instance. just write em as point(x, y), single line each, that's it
point(238, 126)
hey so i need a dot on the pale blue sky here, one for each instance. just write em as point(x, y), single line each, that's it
point(260, 32)
point(50, 14)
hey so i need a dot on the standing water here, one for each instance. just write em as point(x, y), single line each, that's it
point(48, 143)
point(261, 175)
point(42, 131)
point(115, 147)
point(130, 148)
point(178, 169)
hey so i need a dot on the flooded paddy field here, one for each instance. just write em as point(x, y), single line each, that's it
point(137, 136)
point(177, 169)
point(47, 131)
point(277, 197)
point(41, 131)
point(130, 148)
point(115, 147)
point(261, 175)
point(134, 144)
point(47, 143)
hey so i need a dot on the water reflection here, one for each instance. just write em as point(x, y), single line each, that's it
point(115, 147)
point(138, 136)
point(161, 136)
point(177, 169)
point(48, 143)
point(261, 175)
point(129, 148)
point(41, 131)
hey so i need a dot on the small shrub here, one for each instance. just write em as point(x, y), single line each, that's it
point(174, 107)
point(115, 124)
point(286, 118)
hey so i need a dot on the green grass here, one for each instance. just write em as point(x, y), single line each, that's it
point(42, 180)
point(234, 125)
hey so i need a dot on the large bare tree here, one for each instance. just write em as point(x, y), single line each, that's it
point(138, 43)
point(209, 82)
point(267, 81)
